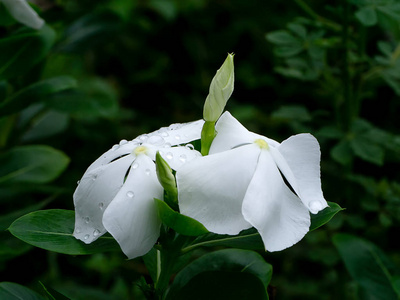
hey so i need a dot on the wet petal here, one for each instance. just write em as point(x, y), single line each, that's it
point(23, 13)
point(231, 134)
point(211, 188)
point(279, 216)
point(132, 218)
point(302, 158)
point(177, 156)
point(95, 191)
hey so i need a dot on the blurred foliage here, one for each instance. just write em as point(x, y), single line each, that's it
point(101, 71)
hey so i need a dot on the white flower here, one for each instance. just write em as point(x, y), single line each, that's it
point(116, 193)
point(23, 13)
point(239, 185)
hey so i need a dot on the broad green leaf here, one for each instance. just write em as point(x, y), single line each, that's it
point(342, 152)
point(52, 230)
point(367, 16)
point(368, 266)
point(282, 37)
point(34, 93)
point(14, 291)
point(20, 52)
point(223, 274)
point(180, 223)
point(324, 216)
point(35, 164)
point(247, 239)
point(367, 150)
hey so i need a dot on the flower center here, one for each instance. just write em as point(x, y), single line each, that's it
point(262, 144)
point(140, 150)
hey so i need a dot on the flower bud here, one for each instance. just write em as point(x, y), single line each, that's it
point(167, 180)
point(221, 89)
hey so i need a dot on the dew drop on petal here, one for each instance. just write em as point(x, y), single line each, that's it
point(147, 172)
point(123, 142)
point(135, 165)
point(164, 134)
point(101, 205)
point(177, 137)
point(156, 140)
point(78, 230)
point(189, 146)
point(169, 155)
point(86, 219)
point(315, 206)
point(115, 147)
point(182, 158)
point(78, 182)
point(167, 145)
point(96, 232)
point(86, 237)
point(130, 194)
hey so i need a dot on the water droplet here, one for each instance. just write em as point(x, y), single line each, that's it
point(147, 172)
point(86, 237)
point(135, 165)
point(123, 142)
point(78, 182)
point(86, 219)
point(94, 177)
point(78, 230)
point(189, 146)
point(169, 155)
point(182, 157)
point(143, 137)
point(96, 232)
point(156, 140)
point(101, 205)
point(164, 134)
point(115, 147)
point(315, 205)
point(177, 137)
point(167, 145)
point(130, 194)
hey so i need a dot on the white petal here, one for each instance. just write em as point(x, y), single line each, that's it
point(301, 166)
point(132, 218)
point(95, 191)
point(176, 134)
point(279, 216)
point(23, 13)
point(231, 134)
point(177, 156)
point(119, 150)
point(211, 188)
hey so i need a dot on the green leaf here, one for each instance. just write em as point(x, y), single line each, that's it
point(368, 151)
point(247, 239)
point(52, 230)
point(180, 223)
point(14, 291)
point(224, 274)
point(282, 37)
point(342, 152)
point(325, 215)
point(34, 93)
point(19, 53)
point(36, 164)
point(367, 16)
point(368, 266)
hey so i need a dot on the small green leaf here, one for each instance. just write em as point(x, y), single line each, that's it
point(14, 291)
point(367, 16)
point(367, 150)
point(342, 152)
point(19, 53)
point(325, 215)
point(36, 164)
point(180, 223)
point(367, 264)
point(224, 274)
point(34, 93)
point(282, 37)
point(52, 230)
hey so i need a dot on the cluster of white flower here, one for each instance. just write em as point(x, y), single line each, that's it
point(238, 185)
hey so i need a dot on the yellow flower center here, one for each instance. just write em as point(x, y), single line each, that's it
point(140, 150)
point(262, 144)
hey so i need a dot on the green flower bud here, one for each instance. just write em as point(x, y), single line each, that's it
point(167, 180)
point(221, 89)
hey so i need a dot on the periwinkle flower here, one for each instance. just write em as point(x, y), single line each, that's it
point(116, 193)
point(240, 185)
point(23, 13)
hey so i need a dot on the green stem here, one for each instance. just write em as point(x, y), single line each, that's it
point(305, 7)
